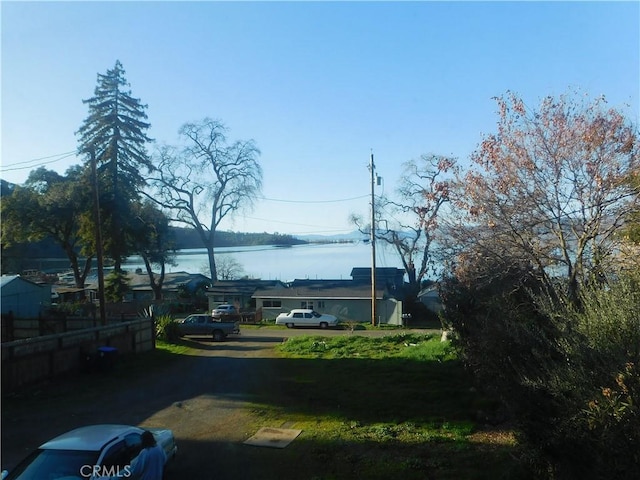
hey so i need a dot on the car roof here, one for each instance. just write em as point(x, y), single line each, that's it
point(301, 310)
point(89, 438)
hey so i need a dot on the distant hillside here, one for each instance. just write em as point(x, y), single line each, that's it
point(354, 236)
point(188, 238)
point(184, 238)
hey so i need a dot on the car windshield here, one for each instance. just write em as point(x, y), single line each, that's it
point(316, 314)
point(52, 464)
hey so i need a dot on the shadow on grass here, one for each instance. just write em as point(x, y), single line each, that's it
point(391, 390)
point(310, 458)
point(361, 418)
point(381, 419)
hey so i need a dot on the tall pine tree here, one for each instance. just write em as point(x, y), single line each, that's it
point(114, 133)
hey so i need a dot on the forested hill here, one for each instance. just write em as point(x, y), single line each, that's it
point(183, 237)
point(188, 238)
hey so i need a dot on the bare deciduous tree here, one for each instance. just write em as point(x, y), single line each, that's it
point(410, 223)
point(207, 180)
point(229, 268)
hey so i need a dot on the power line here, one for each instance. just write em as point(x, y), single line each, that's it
point(328, 229)
point(26, 163)
point(314, 201)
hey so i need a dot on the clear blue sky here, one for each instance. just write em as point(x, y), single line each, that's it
point(318, 86)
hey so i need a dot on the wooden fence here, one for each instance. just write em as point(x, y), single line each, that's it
point(30, 360)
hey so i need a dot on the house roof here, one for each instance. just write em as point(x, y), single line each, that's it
point(244, 286)
point(429, 292)
point(172, 280)
point(7, 279)
point(66, 289)
point(321, 289)
point(380, 271)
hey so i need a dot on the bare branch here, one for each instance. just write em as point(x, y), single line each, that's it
point(207, 180)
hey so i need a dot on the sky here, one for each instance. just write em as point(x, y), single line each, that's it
point(319, 86)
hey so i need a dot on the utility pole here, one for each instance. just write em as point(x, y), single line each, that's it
point(99, 253)
point(373, 243)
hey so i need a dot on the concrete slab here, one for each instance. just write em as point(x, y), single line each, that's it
point(273, 437)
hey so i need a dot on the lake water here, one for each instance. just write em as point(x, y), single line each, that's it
point(312, 261)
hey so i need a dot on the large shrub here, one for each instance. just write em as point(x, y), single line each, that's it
point(603, 352)
point(166, 328)
point(568, 376)
point(116, 286)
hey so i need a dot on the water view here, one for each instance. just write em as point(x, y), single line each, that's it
point(312, 261)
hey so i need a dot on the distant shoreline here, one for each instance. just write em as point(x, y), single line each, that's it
point(60, 264)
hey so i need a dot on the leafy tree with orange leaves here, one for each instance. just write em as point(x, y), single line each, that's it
point(544, 212)
point(550, 188)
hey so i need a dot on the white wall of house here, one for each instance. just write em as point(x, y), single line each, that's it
point(358, 310)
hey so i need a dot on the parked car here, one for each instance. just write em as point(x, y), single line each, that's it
point(306, 318)
point(203, 324)
point(92, 452)
point(224, 311)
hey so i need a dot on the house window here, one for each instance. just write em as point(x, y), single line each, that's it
point(272, 303)
point(310, 304)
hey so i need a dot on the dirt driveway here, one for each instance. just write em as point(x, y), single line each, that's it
point(203, 398)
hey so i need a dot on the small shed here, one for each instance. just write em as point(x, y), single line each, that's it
point(23, 298)
point(430, 298)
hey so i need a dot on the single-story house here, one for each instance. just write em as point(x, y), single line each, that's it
point(349, 300)
point(22, 298)
point(140, 287)
point(172, 284)
point(238, 292)
point(66, 293)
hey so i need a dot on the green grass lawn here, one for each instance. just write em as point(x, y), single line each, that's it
point(399, 406)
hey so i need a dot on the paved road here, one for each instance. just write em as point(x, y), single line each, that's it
point(203, 398)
